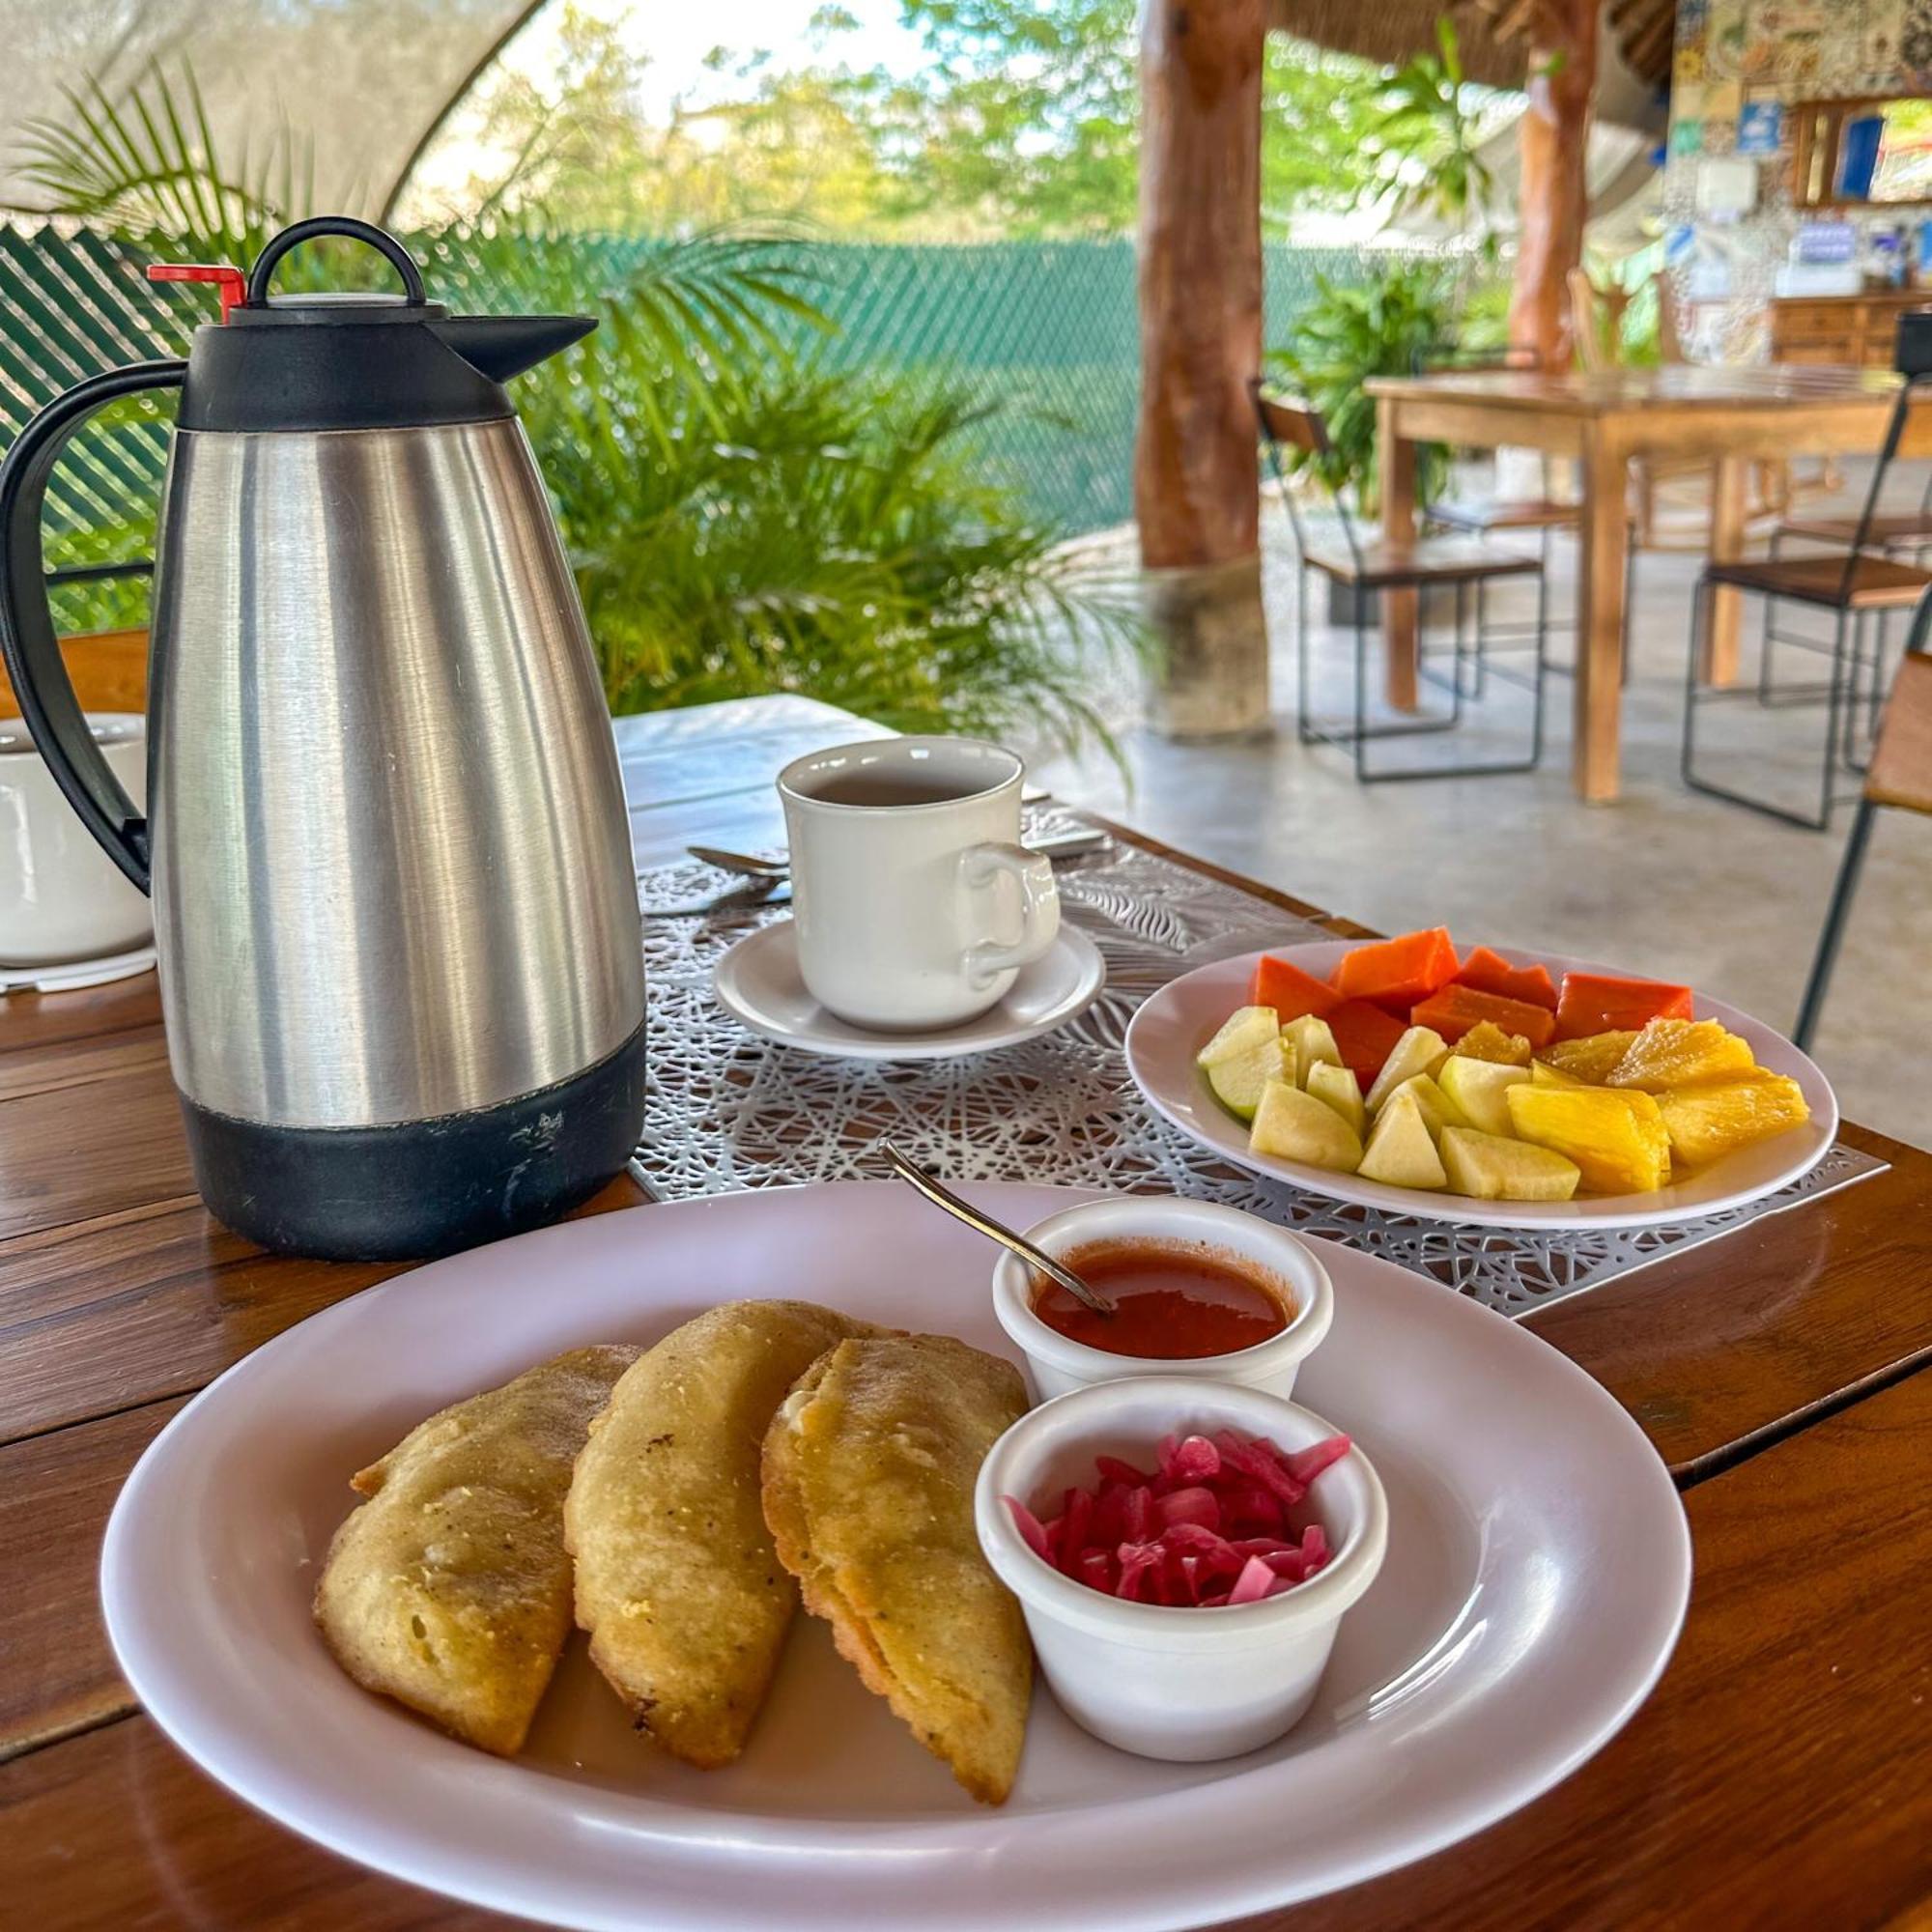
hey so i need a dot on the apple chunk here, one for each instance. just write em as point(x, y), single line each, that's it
point(1312, 1041)
point(1292, 1125)
point(1478, 1087)
point(1341, 1090)
point(1487, 1167)
point(1238, 1081)
point(1401, 1150)
point(1420, 1050)
point(1437, 1109)
point(1243, 1030)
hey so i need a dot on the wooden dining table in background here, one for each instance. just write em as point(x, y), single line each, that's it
point(1777, 1776)
point(1604, 419)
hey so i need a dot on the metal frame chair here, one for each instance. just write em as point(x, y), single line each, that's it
point(1901, 776)
point(1863, 585)
point(1488, 516)
point(1425, 562)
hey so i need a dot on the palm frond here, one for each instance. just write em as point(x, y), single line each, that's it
point(146, 162)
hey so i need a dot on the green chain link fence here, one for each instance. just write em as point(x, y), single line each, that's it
point(1043, 331)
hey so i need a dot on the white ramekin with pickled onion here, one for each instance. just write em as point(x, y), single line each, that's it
point(1230, 1659)
point(1201, 1291)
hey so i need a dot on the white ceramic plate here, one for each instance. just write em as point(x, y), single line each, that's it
point(757, 982)
point(1171, 1026)
point(1537, 1570)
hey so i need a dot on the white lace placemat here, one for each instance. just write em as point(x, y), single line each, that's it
point(727, 1109)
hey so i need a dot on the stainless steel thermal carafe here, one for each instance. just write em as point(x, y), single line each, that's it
point(395, 909)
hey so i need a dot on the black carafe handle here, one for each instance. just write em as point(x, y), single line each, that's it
point(41, 682)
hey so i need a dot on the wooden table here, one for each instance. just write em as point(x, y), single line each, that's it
point(1778, 1776)
point(1604, 419)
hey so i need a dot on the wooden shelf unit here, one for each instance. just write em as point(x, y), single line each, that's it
point(1845, 332)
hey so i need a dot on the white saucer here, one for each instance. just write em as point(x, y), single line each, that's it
point(757, 982)
point(73, 974)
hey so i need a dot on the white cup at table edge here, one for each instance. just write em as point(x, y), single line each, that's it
point(63, 901)
point(1185, 1685)
point(899, 911)
point(1282, 1260)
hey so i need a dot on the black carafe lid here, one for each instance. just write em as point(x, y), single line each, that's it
point(341, 361)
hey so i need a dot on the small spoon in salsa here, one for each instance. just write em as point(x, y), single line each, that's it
point(940, 1196)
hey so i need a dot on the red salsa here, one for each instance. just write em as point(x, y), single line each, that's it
point(1172, 1304)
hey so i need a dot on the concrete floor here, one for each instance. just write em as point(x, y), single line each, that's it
point(1663, 882)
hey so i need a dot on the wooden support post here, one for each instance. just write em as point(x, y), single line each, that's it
point(1400, 618)
point(1730, 500)
point(1196, 480)
point(1600, 617)
point(1552, 192)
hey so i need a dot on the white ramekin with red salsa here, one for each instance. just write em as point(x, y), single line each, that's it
point(1159, 1633)
point(1200, 1290)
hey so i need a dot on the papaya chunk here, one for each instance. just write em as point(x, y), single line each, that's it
point(1488, 972)
point(1456, 1008)
point(1364, 1037)
point(1593, 1003)
point(1289, 991)
point(1397, 972)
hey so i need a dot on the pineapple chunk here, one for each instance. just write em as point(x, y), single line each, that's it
point(1237, 1082)
point(1312, 1043)
point(1722, 1116)
point(1477, 1086)
point(1294, 1126)
point(1542, 1074)
point(1616, 1137)
point(1491, 1167)
point(1680, 1053)
point(1342, 1090)
point(1439, 1110)
point(1487, 1040)
point(1587, 1059)
point(1402, 1150)
point(1420, 1050)
point(1244, 1030)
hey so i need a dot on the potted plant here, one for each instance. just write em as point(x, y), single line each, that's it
point(1347, 334)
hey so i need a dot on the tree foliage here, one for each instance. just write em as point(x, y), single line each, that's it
point(1022, 120)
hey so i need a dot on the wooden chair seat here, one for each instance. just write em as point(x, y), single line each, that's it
point(1842, 527)
point(1483, 514)
point(1386, 564)
point(1901, 765)
point(1876, 582)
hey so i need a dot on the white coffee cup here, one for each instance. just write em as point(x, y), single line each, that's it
point(62, 899)
point(913, 901)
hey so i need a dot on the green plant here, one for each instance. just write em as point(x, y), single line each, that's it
point(811, 531)
point(1425, 138)
point(741, 519)
point(145, 161)
point(1349, 333)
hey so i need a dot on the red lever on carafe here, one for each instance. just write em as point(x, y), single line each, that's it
point(231, 282)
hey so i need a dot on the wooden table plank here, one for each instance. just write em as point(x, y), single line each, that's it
point(1782, 1763)
point(29, 1020)
point(129, 1308)
point(66, 1157)
point(1728, 1344)
point(166, 1848)
point(1778, 1775)
point(57, 1674)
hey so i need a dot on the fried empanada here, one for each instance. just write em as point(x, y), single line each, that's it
point(685, 1600)
point(868, 1474)
point(449, 1589)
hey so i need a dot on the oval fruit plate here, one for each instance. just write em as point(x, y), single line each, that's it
point(1538, 1568)
point(1173, 1025)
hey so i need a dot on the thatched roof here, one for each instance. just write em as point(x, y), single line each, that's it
point(1637, 34)
point(1390, 32)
